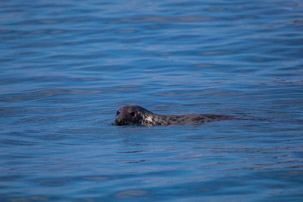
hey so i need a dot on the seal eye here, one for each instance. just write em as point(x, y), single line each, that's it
point(117, 113)
point(132, 113)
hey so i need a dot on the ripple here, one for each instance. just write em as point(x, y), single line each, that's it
point(67, 66)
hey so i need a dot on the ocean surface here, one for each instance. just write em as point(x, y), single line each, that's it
point(67, 66)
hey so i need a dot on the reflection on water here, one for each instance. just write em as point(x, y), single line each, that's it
point(66, 67)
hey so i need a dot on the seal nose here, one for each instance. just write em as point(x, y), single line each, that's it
point(119, 122)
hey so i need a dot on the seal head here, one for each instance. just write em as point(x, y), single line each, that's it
point(131, 115)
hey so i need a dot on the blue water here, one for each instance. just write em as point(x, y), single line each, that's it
point(67, 66)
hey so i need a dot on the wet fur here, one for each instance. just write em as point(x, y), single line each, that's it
point(136, 115)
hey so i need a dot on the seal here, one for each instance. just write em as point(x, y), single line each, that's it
point(136, 115)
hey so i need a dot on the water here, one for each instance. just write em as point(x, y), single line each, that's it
point(67, 66)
